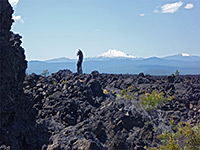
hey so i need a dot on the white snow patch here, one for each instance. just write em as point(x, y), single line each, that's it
point(185, 54)
point(112, 53)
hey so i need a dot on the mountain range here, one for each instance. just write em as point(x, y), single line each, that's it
point(117, 62)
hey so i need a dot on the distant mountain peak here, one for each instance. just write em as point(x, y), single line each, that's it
point(112, 53)
point(59, 60)
point(184, 54)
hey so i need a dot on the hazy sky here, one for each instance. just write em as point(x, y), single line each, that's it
point(144, 28)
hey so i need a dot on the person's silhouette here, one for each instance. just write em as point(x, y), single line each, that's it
point(79, 63)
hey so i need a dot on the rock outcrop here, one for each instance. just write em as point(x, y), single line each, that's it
point(12, 61)
point(16, 113)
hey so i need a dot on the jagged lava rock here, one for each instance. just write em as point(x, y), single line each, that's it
point(17, 122)
point(12, 58)
point(79, 115)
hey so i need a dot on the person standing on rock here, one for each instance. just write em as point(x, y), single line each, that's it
point(79, 63)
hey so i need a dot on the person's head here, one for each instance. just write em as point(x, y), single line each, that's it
point(79, 52)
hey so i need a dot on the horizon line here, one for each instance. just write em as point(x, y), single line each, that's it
point(109, 57)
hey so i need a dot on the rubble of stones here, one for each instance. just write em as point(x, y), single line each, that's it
point(79, 115)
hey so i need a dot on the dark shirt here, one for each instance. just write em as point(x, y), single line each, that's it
point(80, 59)
point(79, 63)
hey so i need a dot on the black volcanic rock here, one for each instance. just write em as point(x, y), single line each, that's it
point(17, 117)
point(61, 73)
point(12, 68)
point(12, 59)
point(79, 115)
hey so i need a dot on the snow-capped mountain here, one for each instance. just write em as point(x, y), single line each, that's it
point(114, 61)
point(112, 53)
point(184, 54)
point(183, 57)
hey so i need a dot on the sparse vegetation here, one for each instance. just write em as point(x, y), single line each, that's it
point(63, 82)
point(187, 137)
point(45, 73)
point(176, 73)
point(153, 100)
point(127, 94)
point(105, 91)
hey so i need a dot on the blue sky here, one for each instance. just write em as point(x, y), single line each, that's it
point(144, 28)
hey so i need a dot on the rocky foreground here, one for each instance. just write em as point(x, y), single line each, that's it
point(76, 112)
point(67, 111)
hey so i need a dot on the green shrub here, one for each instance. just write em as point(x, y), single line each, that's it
point(153, 100)
point(127, 94)
point(176, 73)
point(187, 137)
point(45, 73)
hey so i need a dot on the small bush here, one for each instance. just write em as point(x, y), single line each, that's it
point(127, 94)
point(45, 73)
point(153, 100)
point(187, 137)
point(176, 73)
